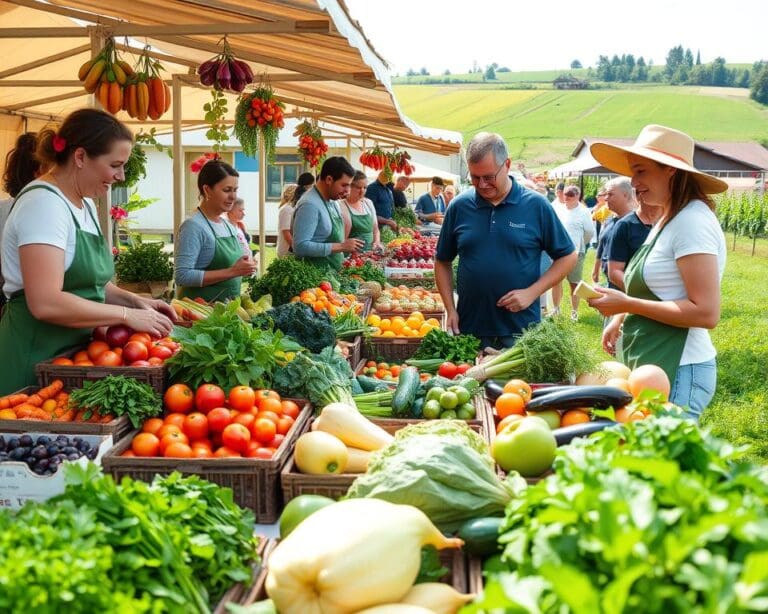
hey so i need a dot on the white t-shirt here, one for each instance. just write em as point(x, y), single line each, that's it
point(695, 230)
point(578, 224)
point(284, 221)
point(41, 217)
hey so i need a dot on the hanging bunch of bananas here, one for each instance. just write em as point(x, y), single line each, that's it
point(140, 92)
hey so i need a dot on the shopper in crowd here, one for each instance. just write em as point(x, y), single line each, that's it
point(449, 193)
point(236, 215)
point(398, 191)
point(498, 229)
point(620, 203)
point(285, 219)
point(21, 167)
point(630, 230)
point(56, 263)
point(578, 223)
point(673, 281)
point(303, 183)
point(359, 215)
point(318, 228)
point(210, 262)
point(431, 207)
point(380, 194)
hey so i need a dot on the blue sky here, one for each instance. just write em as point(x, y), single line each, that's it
point(452, 34)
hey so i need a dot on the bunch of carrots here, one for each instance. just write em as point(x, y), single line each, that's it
point(48, 403)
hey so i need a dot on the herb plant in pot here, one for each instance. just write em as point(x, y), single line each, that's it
point(144, 268)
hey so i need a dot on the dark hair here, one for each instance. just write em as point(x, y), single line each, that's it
point(93, 130)
point(305, 180)
point(437, 180)
point(21, 166)
point(358, 176)
point(212, 172)
point(336, 167)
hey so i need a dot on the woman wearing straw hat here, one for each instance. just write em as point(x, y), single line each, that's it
point(673, 282)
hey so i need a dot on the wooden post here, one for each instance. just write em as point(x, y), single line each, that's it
point(178, 164)
point(262, 204)
point(103, 205)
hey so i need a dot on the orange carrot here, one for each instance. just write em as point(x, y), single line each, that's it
point(79, 415)
point(24, 410)
point(35, 400)
point(107, 418)
point(13, 399)
point(67, 416)
point(51, 390)
point(41, 414)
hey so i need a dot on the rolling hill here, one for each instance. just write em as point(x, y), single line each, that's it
point(542, 126)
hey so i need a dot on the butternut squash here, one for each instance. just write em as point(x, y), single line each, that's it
point(354, 429)
point(357, 460)
point(437, 597)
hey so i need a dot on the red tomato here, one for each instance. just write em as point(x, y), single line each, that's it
point(268, 415)
point(218, 419)
point(173, 438)
point(284, 425)
point(175, 418)
point(225, 452)
point(152, 425)
point(154, 361)
point(265, 394)
point(236, 437)
point(141, 338)
point(276, 442)
point(203, 443)
point(264, 430)
point(242, 398)
point(463, 368)
point(201, 452)
point(290, 409)
point(108, 359)
point(178, 398)
point(141, 363)
point(263, 453)
point(448, 370)
point(145, 444)
point(160, 351)
point(195, 426)
point(244, 418)
point(326, 286)
point(209, 396)
point(271, 405)
point(96, 348)
point(177, 449)
point(135, 350)
point(167, 429)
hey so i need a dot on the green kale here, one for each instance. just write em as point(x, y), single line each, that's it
point(455, 348)
point(321, 378)
point(285, 278)
point(298, 321)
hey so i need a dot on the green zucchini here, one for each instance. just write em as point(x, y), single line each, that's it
point(405, 393)
point(481, 535)
point(417, 409)
point(371, 384)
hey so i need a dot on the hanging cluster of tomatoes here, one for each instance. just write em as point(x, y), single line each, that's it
point(139, 91)
point(389, 161)
point(259, 113)
point(312, 146)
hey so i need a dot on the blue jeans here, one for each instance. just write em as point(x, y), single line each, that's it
point(694, 387)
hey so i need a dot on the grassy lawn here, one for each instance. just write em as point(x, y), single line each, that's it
point(739, 411)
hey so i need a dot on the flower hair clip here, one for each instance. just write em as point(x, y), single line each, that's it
point(59, 143)
point(198, 164)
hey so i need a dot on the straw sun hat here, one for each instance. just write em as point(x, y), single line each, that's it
point(660, 144)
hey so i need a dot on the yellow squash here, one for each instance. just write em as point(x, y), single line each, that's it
point(351, 427)
point(437, 597)
point(319, 453)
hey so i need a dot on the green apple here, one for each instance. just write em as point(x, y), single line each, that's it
point(526, 446)
point(550, 416)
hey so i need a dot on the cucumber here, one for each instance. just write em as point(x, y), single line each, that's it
point(405, 393)
point(371, 384)
point(481, 535)
point(417, 409)
point(582, 396)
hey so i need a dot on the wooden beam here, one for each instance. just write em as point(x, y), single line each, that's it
point(163, 57)
point(40, 83)
point(39, 101)
point(355, 101)
point(33, 115)
point(44, 61)
point(73, 32)
point(236, 9)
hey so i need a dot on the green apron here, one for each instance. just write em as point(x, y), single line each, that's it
point(25, 340)
point(227, 251)
point(645, 341)
point(336, 236)
point(362, 227)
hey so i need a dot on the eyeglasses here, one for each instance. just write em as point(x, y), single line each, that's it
point(486, 178)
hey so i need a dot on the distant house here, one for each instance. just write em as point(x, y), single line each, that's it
point(744, 165)
point(569, 82)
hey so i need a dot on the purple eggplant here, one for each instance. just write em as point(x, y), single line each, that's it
point(565, 434)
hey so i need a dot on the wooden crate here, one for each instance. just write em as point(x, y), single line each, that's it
point(475, 580)
point(117, 428)
point(73, 376)
point(295, 483)
point(355, 350)
point(255, 482)
point(454, 560)
point(392, 349)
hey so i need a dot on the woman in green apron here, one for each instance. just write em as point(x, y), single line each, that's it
point(209, 262)
point(673, 281)
point(359, 215)
point(318, 228)
point(56, 263)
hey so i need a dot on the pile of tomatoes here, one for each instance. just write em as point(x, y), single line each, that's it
point(120, 346)
point(206, 423)
point(386, 372)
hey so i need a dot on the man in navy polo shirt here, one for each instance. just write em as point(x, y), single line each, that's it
point(380, 194)
point(498, 229)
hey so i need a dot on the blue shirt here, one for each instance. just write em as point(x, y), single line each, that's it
point(628, 234)
point(382, 198)
point(499, 249)
point(312, 225)
point(603, 245)
point(197, 245)
point(426, 205)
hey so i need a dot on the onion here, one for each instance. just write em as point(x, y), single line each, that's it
point(589, 379)
point(614, 368)
point(100, 333)
point(117, 336)
point(649, 377)
point(619, 382)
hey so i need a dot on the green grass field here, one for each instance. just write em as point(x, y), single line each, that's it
point(542, 127)
point(739, 411)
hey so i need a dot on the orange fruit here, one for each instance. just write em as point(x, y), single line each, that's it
point(510, 403)
point(574, 416)
point(520, 387)
point(629, 414)
point(387, 333)
point(7, 414)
